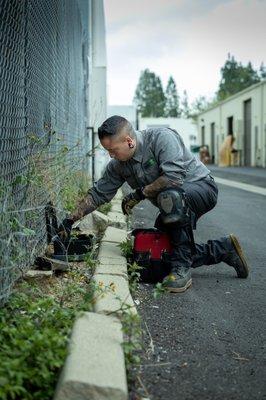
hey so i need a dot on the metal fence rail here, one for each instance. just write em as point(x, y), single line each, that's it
point(42, 113)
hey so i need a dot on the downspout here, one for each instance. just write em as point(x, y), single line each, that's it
point(220, 133)
point(263, 129)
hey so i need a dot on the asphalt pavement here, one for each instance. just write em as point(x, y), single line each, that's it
point(209, 342)
point(250, 175)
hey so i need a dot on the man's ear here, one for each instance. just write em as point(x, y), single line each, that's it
point(130, 142)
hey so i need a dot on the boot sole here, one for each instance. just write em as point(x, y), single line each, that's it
point(240, 254)
point(180, 290)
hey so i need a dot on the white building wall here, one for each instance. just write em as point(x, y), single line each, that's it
point(97, 79)
point(127, 111)
point(185, 127)
point(234, 107)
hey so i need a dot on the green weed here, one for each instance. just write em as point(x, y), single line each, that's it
point(34, 332)
point(126, 248)
point(134, 276)
point(105, 208)
point(132, 344)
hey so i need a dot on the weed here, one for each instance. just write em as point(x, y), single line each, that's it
point(126, 248)
point(34, 332)
point(46, 178)
point(158, 290)
point(90, 258)
point(105, 208)
point(131, 327)
point(134, 276)
point(161, 288)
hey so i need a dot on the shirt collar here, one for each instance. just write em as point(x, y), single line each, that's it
point(139, 147)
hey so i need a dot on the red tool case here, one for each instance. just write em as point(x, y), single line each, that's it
point(152, 250)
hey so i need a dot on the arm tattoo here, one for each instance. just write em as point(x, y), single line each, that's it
point(85, 206)
point(158, 185)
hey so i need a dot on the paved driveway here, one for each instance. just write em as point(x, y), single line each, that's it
point(209, 343)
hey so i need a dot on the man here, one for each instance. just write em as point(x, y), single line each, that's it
point(156, 163)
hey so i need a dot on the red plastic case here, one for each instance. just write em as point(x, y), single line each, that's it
point(152, 250)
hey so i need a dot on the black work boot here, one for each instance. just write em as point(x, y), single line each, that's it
point(235, 257)
point(178, 280)
point(226, 249)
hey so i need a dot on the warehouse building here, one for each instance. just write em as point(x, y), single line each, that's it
point(243, 116)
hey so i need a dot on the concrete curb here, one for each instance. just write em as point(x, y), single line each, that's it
point(112, 272)
point(114, 235)
point(117, 219)
point(95, 366)
point(116, 296)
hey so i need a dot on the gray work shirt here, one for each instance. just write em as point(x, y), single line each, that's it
point(159, 151)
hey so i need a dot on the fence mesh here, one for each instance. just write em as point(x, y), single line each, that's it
point(42, 122)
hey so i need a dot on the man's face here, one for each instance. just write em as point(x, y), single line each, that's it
point(119, 147)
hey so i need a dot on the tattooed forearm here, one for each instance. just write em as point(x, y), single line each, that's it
point(158, 185)
point(85, 206)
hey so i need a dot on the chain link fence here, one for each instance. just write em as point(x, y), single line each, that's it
point(43, 62)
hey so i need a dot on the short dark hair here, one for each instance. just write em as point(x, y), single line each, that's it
point(113, 125)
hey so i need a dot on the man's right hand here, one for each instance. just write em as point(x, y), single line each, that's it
point(131, 200)
point(65, 228)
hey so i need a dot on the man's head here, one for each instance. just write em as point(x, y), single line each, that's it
point(118, 137)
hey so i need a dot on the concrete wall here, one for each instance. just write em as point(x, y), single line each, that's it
point(185, 127)
point(234, 107)
point(93, 20)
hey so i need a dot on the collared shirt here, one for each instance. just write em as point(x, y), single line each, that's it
point(159, 151)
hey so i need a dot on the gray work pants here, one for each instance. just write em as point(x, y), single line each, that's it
point(201, 198)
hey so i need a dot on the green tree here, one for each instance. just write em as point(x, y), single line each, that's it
point(149, 95)
point(235, 77)
point(262, 71)
point(185, 110)
point(199, 104)
point(172, 107)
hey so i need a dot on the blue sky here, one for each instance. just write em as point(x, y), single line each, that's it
point(189, 40)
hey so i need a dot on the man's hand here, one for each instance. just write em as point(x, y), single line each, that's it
point(131, 200)
point(84, 207)
point(64, 229)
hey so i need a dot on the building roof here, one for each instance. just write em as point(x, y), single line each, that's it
point(218, 104)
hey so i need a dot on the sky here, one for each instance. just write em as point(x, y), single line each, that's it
point(188, 39)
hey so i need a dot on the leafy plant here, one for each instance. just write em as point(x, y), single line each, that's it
point(46, 178)
point(134, 276)
point(34, 332)
point(105, 208)
point(90, 258)
point(126, 248)
point(158, 290)
point(131, 327)
point(161, 288)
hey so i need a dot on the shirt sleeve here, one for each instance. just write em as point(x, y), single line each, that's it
point(105, 188)
point(169, 151)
